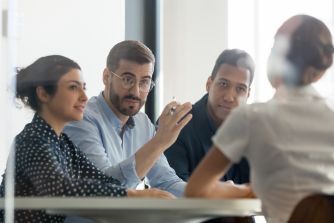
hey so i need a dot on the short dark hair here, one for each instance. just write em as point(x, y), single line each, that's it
point(45, 72)
point(303, 34)
point(131, 50)
point(235, 57)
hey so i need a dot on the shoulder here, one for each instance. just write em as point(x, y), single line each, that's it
point(243, 118)
point(190, 129)
point(29, 134)
point(199, 121)
point(93, 115)
point(30, 143)
point(200, 105)
point(93, 108)
point(196, 130)
point(250, 110)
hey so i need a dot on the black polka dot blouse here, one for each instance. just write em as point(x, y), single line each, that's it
point(50, 166)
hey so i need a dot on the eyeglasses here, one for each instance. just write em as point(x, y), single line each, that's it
point(128, 81)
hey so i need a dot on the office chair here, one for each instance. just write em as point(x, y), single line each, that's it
point(314, 209)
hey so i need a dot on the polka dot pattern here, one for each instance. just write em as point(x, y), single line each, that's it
point(48, 165)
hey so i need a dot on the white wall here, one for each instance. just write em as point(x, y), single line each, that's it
point(194, 34)
point(79, 29)
point(7, 43)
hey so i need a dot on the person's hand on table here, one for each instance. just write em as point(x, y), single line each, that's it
point(237, 190)
point(152, 192)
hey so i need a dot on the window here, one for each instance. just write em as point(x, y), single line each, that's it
point(252, 26)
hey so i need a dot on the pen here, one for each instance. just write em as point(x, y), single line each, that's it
point(172, 110)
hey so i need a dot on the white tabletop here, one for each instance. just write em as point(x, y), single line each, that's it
point(142, 209)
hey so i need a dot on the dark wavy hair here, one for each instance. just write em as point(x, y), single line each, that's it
point(45, 72)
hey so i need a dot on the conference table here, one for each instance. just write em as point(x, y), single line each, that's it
point(149, 210)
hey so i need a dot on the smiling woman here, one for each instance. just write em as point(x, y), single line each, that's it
point(47, 163)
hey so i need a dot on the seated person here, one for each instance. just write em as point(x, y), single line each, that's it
point(118, 138)
point(288, 140)
point(227, 87)
point(47, 163)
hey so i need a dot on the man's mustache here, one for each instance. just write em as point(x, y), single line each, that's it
point(132, 97)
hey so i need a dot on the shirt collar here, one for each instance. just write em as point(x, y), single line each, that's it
point(130, 123)
point(307, 91)
point(112, 116)
point(42, 128)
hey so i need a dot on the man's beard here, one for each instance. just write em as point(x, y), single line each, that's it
point(116, 100)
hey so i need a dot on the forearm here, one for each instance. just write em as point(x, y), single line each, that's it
point(62, 186)
point(229, 190)
point(57, 181)
point(177, 188)
point(147, 155)
point(125, 172)
point(153, 192)
point(205, 180)
point(170, 125)
point(162, 176)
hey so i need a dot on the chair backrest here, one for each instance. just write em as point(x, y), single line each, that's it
point(314, 209)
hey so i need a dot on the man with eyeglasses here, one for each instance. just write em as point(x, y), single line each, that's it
point(116, 136)
point(228, 86)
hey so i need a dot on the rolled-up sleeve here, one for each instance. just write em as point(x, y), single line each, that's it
point(126, 171)
point(164, 177)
